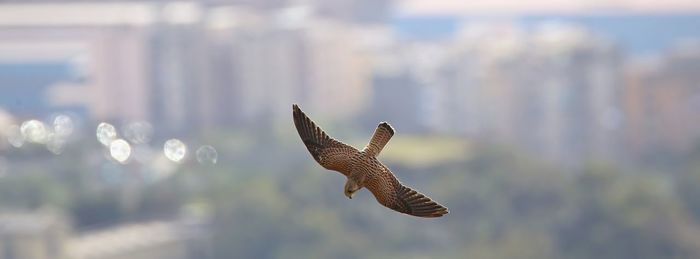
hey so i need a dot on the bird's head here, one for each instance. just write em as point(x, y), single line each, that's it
point(350, 188)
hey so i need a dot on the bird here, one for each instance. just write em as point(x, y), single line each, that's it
point(362, 168)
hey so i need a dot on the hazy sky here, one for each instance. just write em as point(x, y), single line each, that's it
point(455, 7)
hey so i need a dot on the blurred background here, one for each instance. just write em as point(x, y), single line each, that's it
point(163, 129)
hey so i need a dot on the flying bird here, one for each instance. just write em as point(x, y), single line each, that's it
point(362, 168)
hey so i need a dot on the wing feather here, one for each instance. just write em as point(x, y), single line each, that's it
point(391, 193)
point(328, 152)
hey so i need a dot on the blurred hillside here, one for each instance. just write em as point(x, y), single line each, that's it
point(503, 204)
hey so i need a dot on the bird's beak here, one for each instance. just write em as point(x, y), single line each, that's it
point(349, 195)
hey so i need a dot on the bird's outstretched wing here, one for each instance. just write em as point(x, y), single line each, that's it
point(391, 193)
point(330, 153)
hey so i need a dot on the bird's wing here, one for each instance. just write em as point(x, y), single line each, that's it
point(381, 136)
point(330, 153)
point(392, 194)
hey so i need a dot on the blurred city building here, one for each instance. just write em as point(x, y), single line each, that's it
point(662, 103)
point(86, 58)
point(556, 88)
point(284, 57)
point(180, 65)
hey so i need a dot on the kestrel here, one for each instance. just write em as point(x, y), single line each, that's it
point(362, 168)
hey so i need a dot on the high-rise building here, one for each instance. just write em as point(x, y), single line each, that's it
point(554, 90)
point(94, 65)
point(580, 80)
point(662, 101)
point(339, 75)
point(285, 56)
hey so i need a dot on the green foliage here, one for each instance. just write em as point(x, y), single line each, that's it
point(416, 151)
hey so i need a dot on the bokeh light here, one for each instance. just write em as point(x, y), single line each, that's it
point(120, 150)
point(63, 125)
point(207, 154)
point(175, 150)
point(34, 131)
point(139, 132)
point(106, 133)
point(14, 136)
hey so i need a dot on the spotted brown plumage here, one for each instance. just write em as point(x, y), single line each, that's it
point(363, 169)
point(330, 153)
